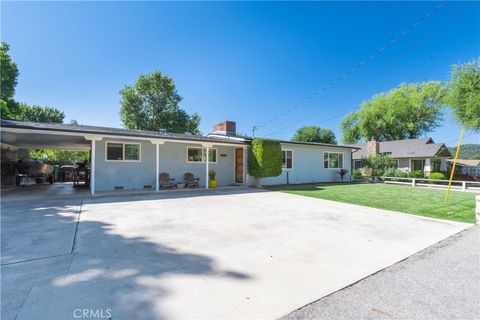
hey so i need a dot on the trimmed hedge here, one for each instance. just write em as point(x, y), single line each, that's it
point(416, 174)
point(436, 176)
point(265, 158)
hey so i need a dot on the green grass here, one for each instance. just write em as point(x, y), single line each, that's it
point(419, 201)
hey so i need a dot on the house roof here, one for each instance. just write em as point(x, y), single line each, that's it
point(60, 127)
point(85, 129)
point(411, 148)
point(248, 140)
point(317, 144)
point(468, 163)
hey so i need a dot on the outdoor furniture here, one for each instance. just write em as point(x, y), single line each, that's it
point(190, 181)
point(166, 182)
point(81, 174)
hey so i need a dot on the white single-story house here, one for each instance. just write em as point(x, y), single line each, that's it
point(410, 155)
point(134, 159)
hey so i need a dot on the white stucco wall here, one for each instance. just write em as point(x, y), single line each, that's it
point(308, 165)
point(130, 175)
point(172, 159)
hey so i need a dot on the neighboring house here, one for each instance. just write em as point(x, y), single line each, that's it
point(466, 167)
point(410, 155)
point(133, 159)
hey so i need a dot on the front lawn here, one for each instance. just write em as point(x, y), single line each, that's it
point(419, 201)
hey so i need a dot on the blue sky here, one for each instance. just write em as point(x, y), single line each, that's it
point(242, 61)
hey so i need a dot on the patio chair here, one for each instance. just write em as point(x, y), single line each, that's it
point(166, 182)
point(190, 181)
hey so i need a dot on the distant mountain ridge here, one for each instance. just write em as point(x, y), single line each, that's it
point(470, 151)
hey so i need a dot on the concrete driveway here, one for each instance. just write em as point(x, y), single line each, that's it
point(217, 255)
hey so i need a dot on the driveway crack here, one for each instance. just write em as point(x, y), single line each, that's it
point(76, 225)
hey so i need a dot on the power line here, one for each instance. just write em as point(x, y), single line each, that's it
point(282, 130)
point(392, 41)
point(423, 43)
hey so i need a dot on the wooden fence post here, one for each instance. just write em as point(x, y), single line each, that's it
point(477, 210)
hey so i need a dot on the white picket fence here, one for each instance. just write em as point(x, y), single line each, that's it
point(473, 186)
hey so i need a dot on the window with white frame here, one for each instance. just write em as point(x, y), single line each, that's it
point(396, 163)
point(357, 164)
point(197, 154)
point(287, 159)
point(120, 151)
point(194, 154)
point(333, 160)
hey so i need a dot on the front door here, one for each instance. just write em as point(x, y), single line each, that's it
point(239, 165)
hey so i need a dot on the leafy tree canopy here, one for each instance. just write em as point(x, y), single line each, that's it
point(464, 93)
point(53, 156)
point(11, 109)
point(9, 73)
point(152, 104)
point(405, 112)
point(314, 134)
point(40, 114)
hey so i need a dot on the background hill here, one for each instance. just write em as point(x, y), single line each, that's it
point(467, 151)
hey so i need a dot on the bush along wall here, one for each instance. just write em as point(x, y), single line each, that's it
point(265, 159)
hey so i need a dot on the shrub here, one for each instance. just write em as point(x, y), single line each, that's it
point(265, 158)
point(390, 172)
point(436, 176)
point(401, 174)
point(356, 173)
point(378, 172)
point(212, 174)
point(416, 174)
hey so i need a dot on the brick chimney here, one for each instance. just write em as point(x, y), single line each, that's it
point(228, 128)
point(373, 147)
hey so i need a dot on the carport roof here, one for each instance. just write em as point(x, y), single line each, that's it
point(96, 130)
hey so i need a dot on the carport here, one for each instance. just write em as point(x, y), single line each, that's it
point(14, 138)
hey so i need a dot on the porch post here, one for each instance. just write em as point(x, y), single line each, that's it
point(92, 168)
point(206, 169)
point(428, 167)
point(157, 182)
point(245, 173)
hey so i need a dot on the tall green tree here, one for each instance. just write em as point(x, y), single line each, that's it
point(314, 134)
point(464, 93)
point(9, 75)
point(11, 109)
point(152, 103)
point(40, 114)
point(406, 112)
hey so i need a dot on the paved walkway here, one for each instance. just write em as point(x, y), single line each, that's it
point(242, 254)
point(441, 282)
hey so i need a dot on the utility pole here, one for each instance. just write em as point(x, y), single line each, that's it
point(253, 131)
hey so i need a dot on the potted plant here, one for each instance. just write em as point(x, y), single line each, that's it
point(342, 173)
point(212, 183)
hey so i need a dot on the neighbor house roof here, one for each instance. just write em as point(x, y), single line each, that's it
point(60, 127)
point(411, 148)
point(468, 163)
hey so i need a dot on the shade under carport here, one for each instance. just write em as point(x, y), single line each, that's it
point(54, 140)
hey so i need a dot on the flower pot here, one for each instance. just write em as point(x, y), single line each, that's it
point(212, 184)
